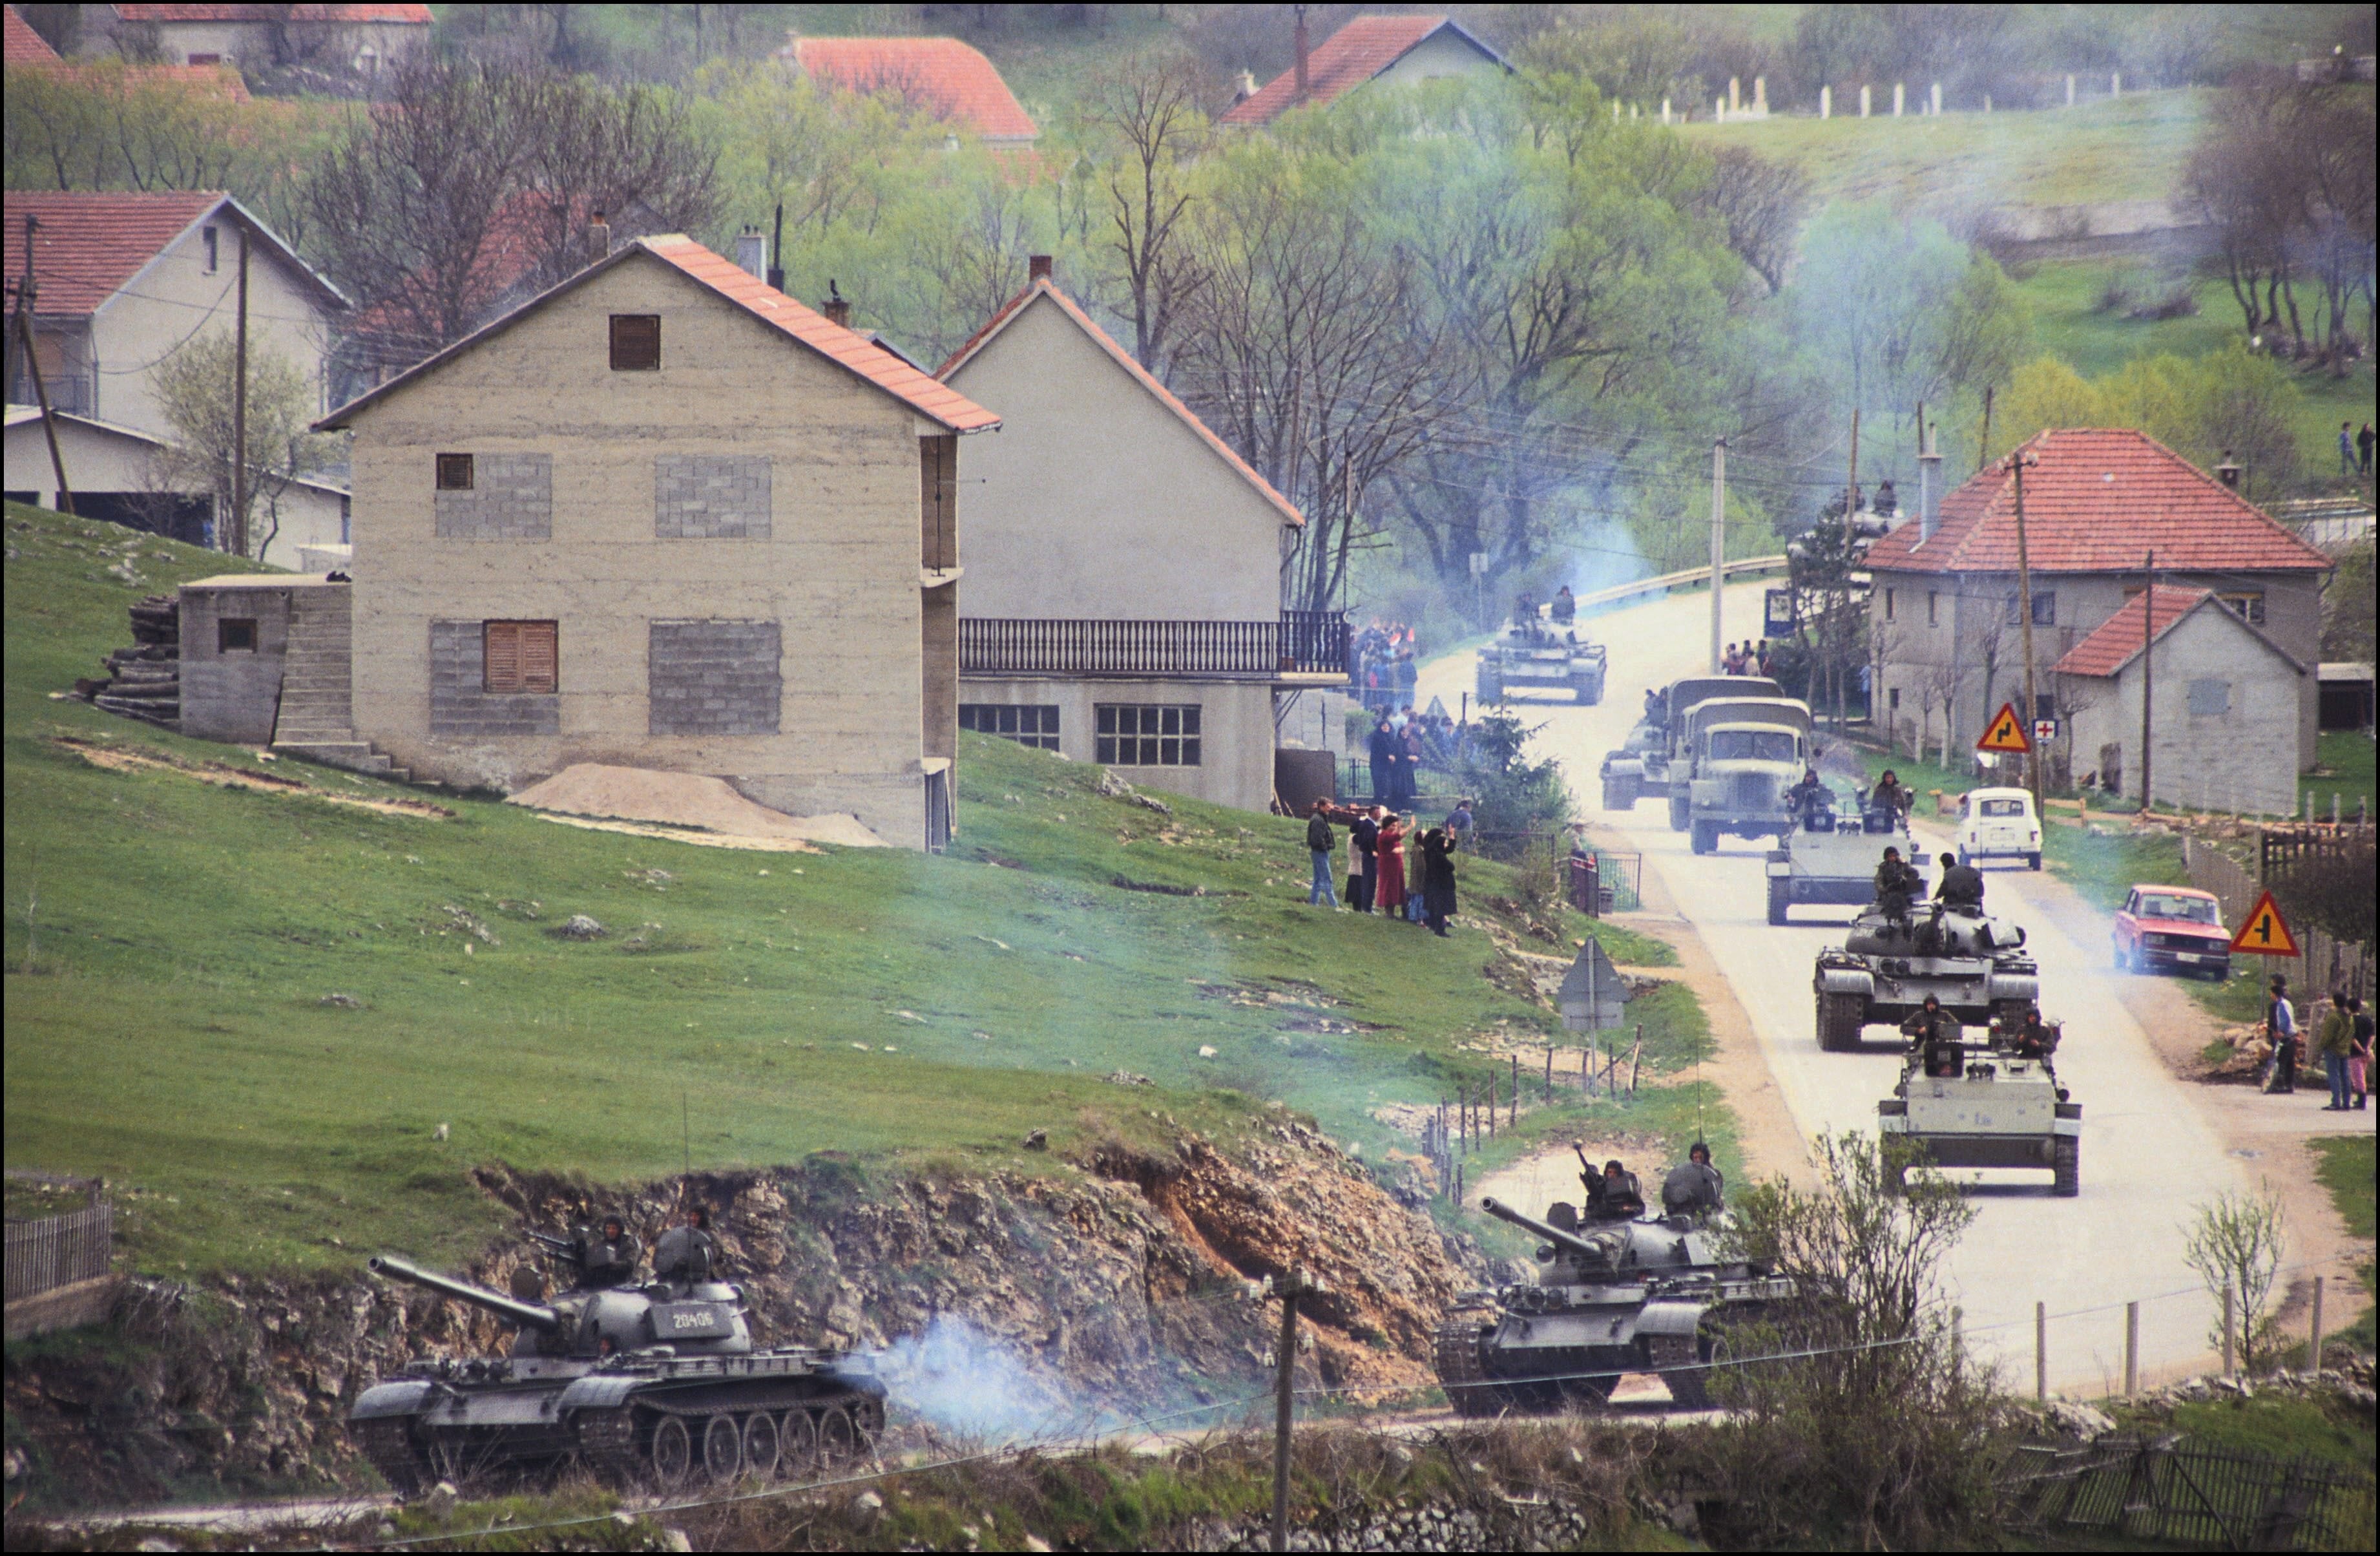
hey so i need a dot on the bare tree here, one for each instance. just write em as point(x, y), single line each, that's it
point(195, 390)
point(1762, 203)
point(2236, 1244)
point(1148, 108)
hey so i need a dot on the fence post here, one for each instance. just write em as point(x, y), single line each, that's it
point(1549, 1072)
point(2132, 1349)
point(2041, 1352)
point(1516, 1088)
point(2314, 1351)
point(2227, 1329)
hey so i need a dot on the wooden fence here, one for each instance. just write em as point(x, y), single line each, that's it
point(60, 1250)
point(2329, 962)
point(2169, 1491)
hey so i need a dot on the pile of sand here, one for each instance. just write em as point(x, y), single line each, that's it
point(684, 799)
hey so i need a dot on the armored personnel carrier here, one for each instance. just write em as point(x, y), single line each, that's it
point(1626, 1294)
point(1536, 655)
point(1641, 766)
point(1830, 856)
point(658, 1384)
point(1987, 1105)
point(1974, 964)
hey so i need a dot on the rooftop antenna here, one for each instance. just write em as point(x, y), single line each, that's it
point(686, 1128)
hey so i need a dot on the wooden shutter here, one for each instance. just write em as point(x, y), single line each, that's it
point(503, 656)
point(539, 670)
point(636, 342)
point(455, 472)
point(522, 656)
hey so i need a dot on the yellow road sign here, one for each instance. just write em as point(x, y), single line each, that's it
point(2006, 733)
point(2266, 932)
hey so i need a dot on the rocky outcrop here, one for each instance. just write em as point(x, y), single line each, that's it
point(1122, 1274)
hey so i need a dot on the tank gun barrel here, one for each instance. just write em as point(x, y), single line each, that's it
point(1554, 1234)
point(527, 1315)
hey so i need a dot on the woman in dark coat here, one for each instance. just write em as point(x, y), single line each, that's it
point(1437, 878)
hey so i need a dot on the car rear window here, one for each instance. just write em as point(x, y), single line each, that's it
point(2003, 808)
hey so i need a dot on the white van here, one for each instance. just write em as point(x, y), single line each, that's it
point(1999, 824)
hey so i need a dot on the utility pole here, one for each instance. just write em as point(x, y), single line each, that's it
point(1984, 449)
point(41, 390)
point(2019, 460)
point(1289, 1289)
point(2148, 673)
point(1718, 540)
point(1850, 538)
point(237, 531)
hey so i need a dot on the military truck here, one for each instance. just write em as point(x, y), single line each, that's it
point(1830, 856)
point(1731, 766)
point(1616, 1294)
point(1975, 965)
point(657, 1384)
point(1984, 1105)
point(1642, 765)
point(1536, 655)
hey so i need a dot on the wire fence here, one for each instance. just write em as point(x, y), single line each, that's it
point(2171, 1492)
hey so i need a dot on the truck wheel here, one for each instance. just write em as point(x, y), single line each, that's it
point(1680, 811)
point(1780, 896)
point(2118, 947)
point(1839, 1023)
point(2066, 1164)
point(1706, 837)
point(1619, 793)
point(2032, 861)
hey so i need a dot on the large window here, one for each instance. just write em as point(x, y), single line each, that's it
point(636, 342)
point(519, 656)
point(1148, 734)
point(1036, 726)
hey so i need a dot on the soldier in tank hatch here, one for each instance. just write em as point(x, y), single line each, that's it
point(1961, 885)
point(686, 1253)
point(1694, 1186)
point(1895, 883)
point(1934, 1033)
point(610, 1259)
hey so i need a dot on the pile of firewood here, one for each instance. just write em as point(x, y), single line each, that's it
point(144, 681)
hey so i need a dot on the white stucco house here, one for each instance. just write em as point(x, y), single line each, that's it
point(1387, 50)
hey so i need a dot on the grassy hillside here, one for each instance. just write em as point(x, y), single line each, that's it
point(170, 944)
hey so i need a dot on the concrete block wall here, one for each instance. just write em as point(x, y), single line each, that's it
point(233, 696)
point(710, 497)
point(713, 677)
point(511, 499)
point(460, 703)
point(1235, 721)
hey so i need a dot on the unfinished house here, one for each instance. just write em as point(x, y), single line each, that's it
point(662, 517)
point(1124, 570)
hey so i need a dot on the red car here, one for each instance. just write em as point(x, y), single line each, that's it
point(2172, 928)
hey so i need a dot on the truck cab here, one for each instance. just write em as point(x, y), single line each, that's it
point(1741, 755)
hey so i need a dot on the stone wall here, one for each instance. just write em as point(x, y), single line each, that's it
point(459, 702)
point(710, 497)
point(713, 677)
point(511, 499)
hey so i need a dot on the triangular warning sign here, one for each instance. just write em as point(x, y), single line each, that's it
point(2266, 932)
point(2006, 733)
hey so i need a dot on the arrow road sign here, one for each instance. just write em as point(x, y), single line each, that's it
point(2266, 932)
point(2006, 733)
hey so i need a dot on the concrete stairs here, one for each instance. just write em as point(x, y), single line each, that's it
point(316, 720)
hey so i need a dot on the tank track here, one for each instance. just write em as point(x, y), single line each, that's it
point(387, 1441)
point(1691, 1389)
point(1456, 1353)
point(607, 1440)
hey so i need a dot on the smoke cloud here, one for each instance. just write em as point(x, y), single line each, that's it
point(965, 1384)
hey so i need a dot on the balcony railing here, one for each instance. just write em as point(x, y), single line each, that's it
point(70, 393)
point(1300, 642)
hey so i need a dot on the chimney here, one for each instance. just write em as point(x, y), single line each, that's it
point(1929, 490)
point(1037, 268)
point(599, 238)
point(777, 251)
point(752, 253)
point(1245, 90)
point(2228, 472)
point(1302, 50)
point(837, 310)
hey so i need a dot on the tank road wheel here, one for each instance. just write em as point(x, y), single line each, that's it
point(722, 1448)
point(867, 1421)
point(2066, 1162)
point(1691, 1386)
point(1619, 793)
point(1780, 897)
point(1460, 1371)
point(836, 1439)
point(1491, 686)
point(1839, 1023)
point(762, 1447)
point(387, 1441)
point(672, 1451)
point(797, 1443)
point(1706, 837)
point(607, 1440)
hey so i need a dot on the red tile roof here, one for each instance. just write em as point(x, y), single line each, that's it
point(2097, 500)
point(2117, 642)
point(1124, 359)
point(1351, 57)
point(848, 348)
point(938, 74)
point(417, 16)
point(23, 45)
point(87, 246)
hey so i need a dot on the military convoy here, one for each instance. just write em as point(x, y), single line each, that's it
point(1641, 766)
point(1532, 654)
point(1986, 1104)
point(1621, 1292)
point(1830, 856)
point(656, 1384)
point(1732, 766)
point(1973, 964)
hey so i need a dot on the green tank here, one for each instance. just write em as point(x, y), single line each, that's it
point(655, 1384)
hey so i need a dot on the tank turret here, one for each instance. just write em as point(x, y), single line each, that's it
point(1974, 964)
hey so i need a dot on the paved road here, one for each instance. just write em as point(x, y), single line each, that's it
point(2148, 1154)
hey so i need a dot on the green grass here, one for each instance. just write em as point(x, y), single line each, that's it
point(2344, 1165)
point(2330, 1430)
point(2343, 762)
point(2133, 148)
point(169, 944)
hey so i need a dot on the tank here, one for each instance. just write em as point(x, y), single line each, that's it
point(1986, 1105)
point(1974, 963)
point(1536, 655)
point(654, 1384)
point(1615, 1295)
point(1830, 856)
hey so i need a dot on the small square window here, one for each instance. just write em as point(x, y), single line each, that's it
point(215, 250)
point(636, 342)
point(455, 472)
point(519, 656)
point(2044, 608)
point(235, 635)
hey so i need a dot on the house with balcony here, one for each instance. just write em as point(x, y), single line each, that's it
point(1124, 601)
point(2101, 504)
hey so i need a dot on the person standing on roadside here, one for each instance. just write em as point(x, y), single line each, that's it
point(2363, 441)
point(1391, 893)
point(1437, 879)
point(2359, 1049)
point(2347, 449)
point(2332, 1040)
point(1320, 843)
point(1383, 750)
point(2281, 1028)
point(1363, 837)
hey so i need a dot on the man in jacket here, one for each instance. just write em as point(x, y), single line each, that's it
point(1319, 841)
point(1961, 885)
point(2281, 1027)
point(1363, 837)
point(1934, 1033)
point(1895, 883)
point(2335, 1039)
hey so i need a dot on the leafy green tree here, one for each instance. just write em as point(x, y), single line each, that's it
point(2233, 402)
point(195, 389)
point(1515, 794)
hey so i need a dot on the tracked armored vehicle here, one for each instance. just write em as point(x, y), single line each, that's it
point(1987, 1105)
point(1536, 655)
point(1974, 964)
point(1629, 1294)
point(1830, 856)
point(657, 1384)
point(1641, 766)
